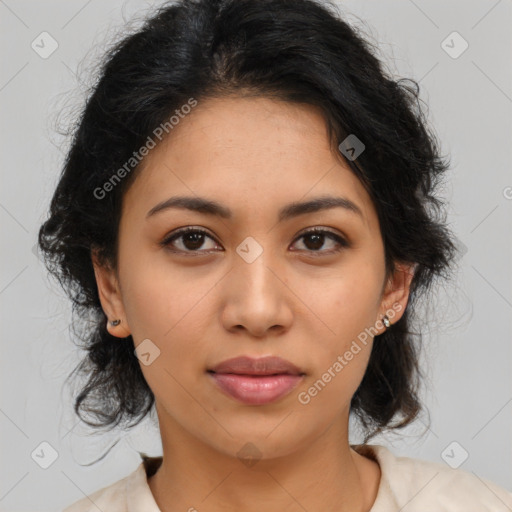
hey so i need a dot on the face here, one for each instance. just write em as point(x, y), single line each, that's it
point(254, 281)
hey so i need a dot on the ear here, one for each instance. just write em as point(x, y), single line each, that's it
point(110, 297)
point(396, 293)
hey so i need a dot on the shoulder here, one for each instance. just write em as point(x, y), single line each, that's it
point(417, 485)
point(111, 498)
point(130, 493)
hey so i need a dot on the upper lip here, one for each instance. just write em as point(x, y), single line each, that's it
point(269, 365)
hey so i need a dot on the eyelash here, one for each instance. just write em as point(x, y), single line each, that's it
point(342, 243)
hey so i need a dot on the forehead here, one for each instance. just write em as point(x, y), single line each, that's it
point(247, 151)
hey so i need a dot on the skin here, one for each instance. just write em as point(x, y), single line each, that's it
point(254, 155)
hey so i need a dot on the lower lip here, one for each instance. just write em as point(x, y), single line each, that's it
point(258, 389)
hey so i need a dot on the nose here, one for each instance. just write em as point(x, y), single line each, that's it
point(257, 298)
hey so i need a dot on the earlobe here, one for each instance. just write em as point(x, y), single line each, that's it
point(110, 297)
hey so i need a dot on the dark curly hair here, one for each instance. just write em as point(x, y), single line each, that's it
point(297, 51)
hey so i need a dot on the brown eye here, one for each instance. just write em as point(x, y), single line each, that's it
point(315, 239)
point(189, 240)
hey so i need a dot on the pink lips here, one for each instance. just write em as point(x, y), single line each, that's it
point(256, 381)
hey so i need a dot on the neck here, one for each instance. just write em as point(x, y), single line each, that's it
point(325, 473)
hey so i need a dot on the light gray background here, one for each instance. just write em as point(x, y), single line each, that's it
point(468, 353)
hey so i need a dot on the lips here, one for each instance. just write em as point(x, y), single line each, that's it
point(256, 381)
point(270, 365)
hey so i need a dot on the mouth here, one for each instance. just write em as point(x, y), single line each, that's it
point(256, 381)
point(269, 365)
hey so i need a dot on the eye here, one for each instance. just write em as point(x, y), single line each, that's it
point(315, 238)
point(190, 240)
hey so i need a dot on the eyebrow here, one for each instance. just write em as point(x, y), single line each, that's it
point(210, 207)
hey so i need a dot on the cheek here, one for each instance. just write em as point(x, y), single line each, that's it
point(155, 297)
point(170, 307)
point(341, 356)
point(170, 310)
point(345, 307)
point(346, 303)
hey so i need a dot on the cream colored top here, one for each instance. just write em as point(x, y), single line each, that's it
point(406, 485)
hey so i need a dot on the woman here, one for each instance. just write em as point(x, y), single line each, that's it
point(247, 213)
